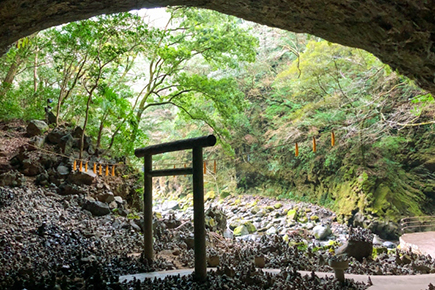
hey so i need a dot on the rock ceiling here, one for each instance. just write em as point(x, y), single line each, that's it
point(401, 33)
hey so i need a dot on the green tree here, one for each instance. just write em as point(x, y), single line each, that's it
point(194, 38)
point(95, 67)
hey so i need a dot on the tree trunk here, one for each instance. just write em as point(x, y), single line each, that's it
point(64, 93)
point(100, 132)
point(35, 71)
point(88, 104)
point(82, 143)
point(10, 76)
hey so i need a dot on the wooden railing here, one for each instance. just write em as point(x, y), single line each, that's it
point(417, 224)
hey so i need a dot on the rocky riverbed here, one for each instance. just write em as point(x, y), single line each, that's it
point(61, 229)
point(52, 241)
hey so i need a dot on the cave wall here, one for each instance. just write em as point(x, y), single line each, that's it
point(401, 33)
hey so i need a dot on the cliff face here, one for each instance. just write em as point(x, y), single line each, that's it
point(400, 33)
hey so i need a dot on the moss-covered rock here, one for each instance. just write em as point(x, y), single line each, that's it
point(277, 205)
point(379, 251)
point(210, 222)
point(241, 231)
point(235, 224)
point(269, 208)
point(255, 210)
point(314, 218)
point(224, 193)
point(320, 232)
point(303, 219)
point(209, 196)
point(292, 214)
point(250, 227)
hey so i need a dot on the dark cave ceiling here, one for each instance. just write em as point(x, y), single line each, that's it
point(401, 33)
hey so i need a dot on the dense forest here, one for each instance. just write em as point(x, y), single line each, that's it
point(296, 116)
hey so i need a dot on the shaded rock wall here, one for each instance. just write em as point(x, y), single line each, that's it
point(401, 33)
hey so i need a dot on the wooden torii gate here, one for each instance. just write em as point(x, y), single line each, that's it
point(196, 144)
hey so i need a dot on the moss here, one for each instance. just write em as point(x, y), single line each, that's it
point(345, 199)
point(269, 208)
point(277, 205)
point(255, 210)
point(314, 218)
point(391, 201)
point(385, 189)
point(379, 251)
point(250, 227)
point(286, 238)
point(292, 214)
point(303, 219)
point(209, 196)
point(380, 203)
point(210, 222)
point(241, 231)
point(235, 224)
point(224, 194)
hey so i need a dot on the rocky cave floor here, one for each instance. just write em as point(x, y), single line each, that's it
point(86, 236)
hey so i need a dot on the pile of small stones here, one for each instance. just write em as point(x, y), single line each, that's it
point(48, 241)
point(246, 276)
point(6, 196)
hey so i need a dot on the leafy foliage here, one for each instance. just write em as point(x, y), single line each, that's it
point(331, 88)
point(105, 73)
point(261, 90)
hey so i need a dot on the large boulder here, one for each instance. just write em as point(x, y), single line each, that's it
point(86, 144)
point(216, 220)
point(241, 231)
point(386, 230)
point(97, 208)
point(359, 220)
point(55, 136)
point(36, 127)
point(62, 170)
point(357, 249)
point(106, 197)
point(12, 179)
point(68, 189)
point(31, 167)
point(77, 133)
point(430, 165)
point(37, 141)
point(81, 178)
point(18, 159)
point(49, 160)
point(66, 144)
point(320, 232)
